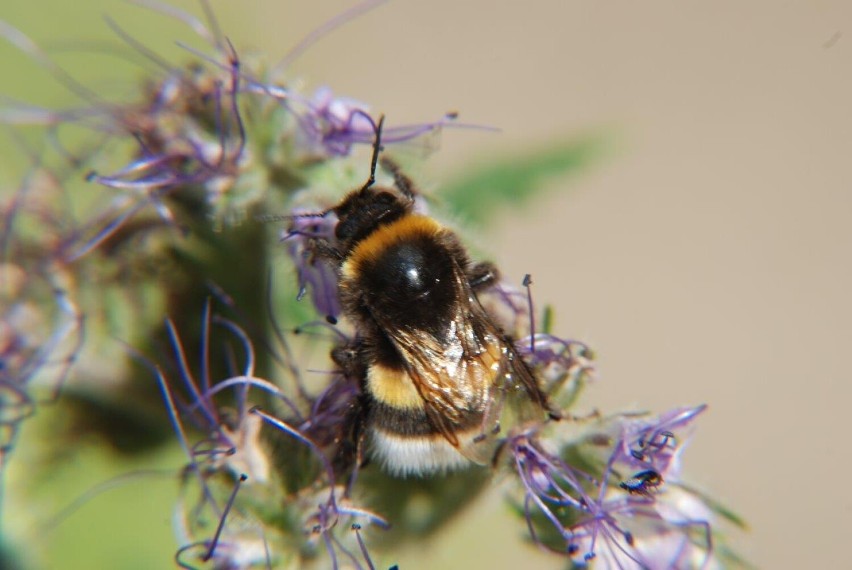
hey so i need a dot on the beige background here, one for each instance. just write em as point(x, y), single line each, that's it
point(707, 258)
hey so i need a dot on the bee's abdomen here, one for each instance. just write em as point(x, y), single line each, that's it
point(414, 422)
point(406, 442)
point(415, 455)
point(402, 436)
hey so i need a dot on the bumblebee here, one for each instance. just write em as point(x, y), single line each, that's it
point(436, 371)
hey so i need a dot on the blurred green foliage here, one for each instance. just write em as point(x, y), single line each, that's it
point(482, 190)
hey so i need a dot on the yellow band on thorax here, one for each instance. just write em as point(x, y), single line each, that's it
point(377, 242)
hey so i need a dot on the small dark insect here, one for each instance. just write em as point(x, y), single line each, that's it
point(642, 482)
point(435, 369)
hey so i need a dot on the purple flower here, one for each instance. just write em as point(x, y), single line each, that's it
point(329, 125)
point(316, 276)
point(588, 517)
point(656, 443)
point(39, 341)
point(562, 365)
point(178, 149)
point(232, 470)
point(41, 328)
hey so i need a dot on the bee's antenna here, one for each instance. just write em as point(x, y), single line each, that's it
point(377, 148)
point(267, 218)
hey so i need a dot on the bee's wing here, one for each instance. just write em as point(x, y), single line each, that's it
point(470, 373)
point(514, 398)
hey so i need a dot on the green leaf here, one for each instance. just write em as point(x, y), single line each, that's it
point(477, 193)
point(717, 506)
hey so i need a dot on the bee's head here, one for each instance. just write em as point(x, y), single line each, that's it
point(364, 210)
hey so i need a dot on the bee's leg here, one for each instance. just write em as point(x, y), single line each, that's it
point(402, 182)
point(320, 248)
point(351, 360)
point(360, 438)
point(554, 413)
point(482, 275)
point(521, 372)
point(350, 453)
